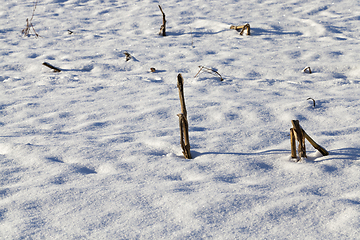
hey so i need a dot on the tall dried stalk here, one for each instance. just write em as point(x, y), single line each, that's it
point(184, 127)
point(163, 26)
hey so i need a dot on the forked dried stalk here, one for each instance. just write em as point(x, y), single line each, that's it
point(29, 25)
point(209, 70)
point(297, 133)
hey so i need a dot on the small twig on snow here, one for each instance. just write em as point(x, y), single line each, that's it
point(307, 68)
point(52, 67)
point(312, 100)
point(209, 70)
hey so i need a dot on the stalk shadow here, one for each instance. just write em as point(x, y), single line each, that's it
point(87, 68)
point(193, 33)
point(195, 154)
point(352, 154)
point(253, 32)
point(274, 31)
point(337, 154)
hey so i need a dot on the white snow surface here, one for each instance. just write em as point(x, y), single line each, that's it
point(93, 151)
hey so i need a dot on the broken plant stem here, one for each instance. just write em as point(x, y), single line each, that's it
point(52, 67)
point(315, 145)
point(242, 27)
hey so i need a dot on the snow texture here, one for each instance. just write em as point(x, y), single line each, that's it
point(93, 151)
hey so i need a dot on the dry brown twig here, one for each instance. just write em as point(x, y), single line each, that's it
point(29, 25)
point(307, 68)
point(242, 27)
point(209, 70)
point(127, 56)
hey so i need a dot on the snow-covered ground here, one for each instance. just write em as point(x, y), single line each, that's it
point(93, 152)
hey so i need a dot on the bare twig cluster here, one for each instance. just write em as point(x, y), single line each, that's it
point(242, 27)
point(298, 134)
point(184, 126)
point(209, 70)
point(29, 25)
